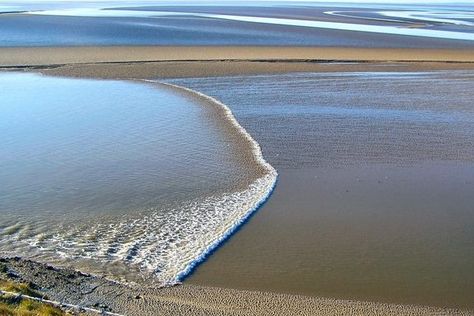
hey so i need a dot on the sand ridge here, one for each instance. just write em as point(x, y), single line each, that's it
point(41, 56)
point(187, 69)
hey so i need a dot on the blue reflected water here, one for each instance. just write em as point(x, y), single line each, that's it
point(252, 23)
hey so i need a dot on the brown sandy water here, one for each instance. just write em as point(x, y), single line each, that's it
point(374, 233)
point(375, 195)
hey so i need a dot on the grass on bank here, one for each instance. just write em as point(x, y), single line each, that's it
point(17, 306)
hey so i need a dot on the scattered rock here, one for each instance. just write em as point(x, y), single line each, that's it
point(12, 274)
point(51, 268)
point(101, 306)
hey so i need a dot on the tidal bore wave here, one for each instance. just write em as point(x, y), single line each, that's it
point(165, 242)
point(248, 201)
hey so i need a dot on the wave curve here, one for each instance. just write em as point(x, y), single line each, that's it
point(167, 242)
point(264, 185)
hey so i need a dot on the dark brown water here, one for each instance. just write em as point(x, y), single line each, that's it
point(375, 199)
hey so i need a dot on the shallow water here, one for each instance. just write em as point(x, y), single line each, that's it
point(375, 193)
point(114, 177)
point(338, 119)
point(384, 29)
point(251, 23)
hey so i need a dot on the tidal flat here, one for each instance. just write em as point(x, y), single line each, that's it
point(138, 137)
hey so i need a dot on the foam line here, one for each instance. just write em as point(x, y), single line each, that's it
point(223, 238)
point(267, 182)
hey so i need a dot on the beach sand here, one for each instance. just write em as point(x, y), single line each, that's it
point(76, 288)
point(161, 62)
point(49, 56)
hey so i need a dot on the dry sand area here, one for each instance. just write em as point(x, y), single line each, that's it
point(165, 62)
point(41, 56)
point(177, 62)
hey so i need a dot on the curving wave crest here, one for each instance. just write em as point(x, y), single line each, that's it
point(167, 242)
point(245, 202)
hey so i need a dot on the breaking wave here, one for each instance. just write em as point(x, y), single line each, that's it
point(246, 202)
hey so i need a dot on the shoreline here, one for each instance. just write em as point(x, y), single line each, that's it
point(84, 290)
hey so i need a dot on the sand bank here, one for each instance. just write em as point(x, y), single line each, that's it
point(181, 62)
point(41, 56)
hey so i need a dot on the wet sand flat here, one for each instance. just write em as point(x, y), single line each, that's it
point(364, 233)
point(44, 56)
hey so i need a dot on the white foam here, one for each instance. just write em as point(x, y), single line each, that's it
point(448, 17)
point(383, 29)
point(260, 189)
point(445, 16)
